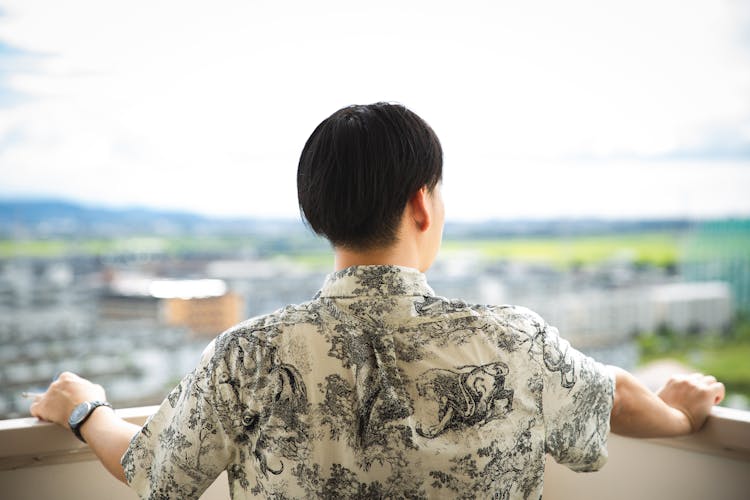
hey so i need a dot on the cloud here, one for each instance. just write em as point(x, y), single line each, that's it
point(191, 105)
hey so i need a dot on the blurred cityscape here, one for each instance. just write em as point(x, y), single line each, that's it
point(134, 315)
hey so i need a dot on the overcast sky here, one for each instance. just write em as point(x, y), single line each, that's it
point(544, 109)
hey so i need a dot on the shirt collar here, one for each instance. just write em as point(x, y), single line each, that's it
point(375, 281)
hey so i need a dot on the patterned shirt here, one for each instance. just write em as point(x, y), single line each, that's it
point(378, 388)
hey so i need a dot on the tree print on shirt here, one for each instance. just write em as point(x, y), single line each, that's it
point(589, 417)
point(555, 355)
point(504, 470)
point(342, 482)
point(367, 411)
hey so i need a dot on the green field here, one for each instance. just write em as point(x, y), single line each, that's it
point(655, 248)
point(725, 356)
point(173, 246)
point(659, 248)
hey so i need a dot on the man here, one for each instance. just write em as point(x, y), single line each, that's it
point(377, 387)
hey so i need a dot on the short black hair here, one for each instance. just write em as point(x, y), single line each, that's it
point(358, 170)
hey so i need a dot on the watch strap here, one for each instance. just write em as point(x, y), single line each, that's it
point(92, 405)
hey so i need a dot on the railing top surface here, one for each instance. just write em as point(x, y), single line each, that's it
point(26, 442)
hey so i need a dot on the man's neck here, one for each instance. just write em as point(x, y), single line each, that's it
point(413, 246)
point(396, 255)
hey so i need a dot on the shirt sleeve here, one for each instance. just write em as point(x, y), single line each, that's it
point(577, 401)
point(183, 447)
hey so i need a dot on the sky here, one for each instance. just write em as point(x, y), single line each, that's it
point(544, 108)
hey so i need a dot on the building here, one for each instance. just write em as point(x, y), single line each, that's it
point(204, 306)
point(204, 316)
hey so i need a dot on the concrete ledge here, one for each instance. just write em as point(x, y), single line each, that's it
point(41, 460)
point(726, 434)
point(27, 442)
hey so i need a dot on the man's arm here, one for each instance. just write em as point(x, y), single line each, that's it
point(106, 434)
point(679, 408)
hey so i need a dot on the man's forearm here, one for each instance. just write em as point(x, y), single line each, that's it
point(638, 412)
point(109, 436)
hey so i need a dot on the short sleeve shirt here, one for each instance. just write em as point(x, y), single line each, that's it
point(378, 388)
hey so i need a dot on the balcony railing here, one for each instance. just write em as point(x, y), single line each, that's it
point(39, 460)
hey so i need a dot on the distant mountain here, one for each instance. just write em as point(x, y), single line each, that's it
point(31, 211)
point(26, 218)
point(50, 217)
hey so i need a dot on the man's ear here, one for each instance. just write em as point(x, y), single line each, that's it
point(420, 207)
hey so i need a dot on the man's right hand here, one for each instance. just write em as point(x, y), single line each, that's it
point(694, 395)
point(679, 408)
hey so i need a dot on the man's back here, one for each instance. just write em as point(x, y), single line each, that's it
point(377, 388)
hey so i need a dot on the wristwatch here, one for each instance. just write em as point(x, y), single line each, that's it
point(81, 413)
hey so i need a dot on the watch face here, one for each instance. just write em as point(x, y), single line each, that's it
point(79, 412)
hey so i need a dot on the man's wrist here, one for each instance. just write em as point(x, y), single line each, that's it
point(82, 414)
point(100, 416)
point(683, 422)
